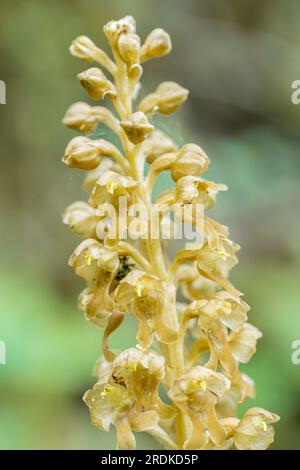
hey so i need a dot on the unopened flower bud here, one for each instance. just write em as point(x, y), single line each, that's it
point(157, 44)
point(129, 48)
point(113, 29)
point(190, 160)
point(85, 153)
point(171, 97)
point(84, 48)
point(167, 99)
point(137, 127)
point(82, 117)
point(96, 84)
point(82, 153)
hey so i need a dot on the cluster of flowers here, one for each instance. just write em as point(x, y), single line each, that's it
point(191, 349)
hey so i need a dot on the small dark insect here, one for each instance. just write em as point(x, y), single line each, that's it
point(124, 268)
point(118, 380)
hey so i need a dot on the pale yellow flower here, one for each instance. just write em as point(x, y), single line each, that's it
point(232, 310)
point(127, 395)
point(151, 301)
point(217, 263)
point(97, 265)
point(109, 187)
point(212, 335)
point(90, 258)
point(82, 219)
point(255, 430)
point(225, 307)
point(111, 404)
point(213, 263)
point(197, 392)
point(192, 189)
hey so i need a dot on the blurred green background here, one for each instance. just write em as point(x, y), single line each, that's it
point(238, 58)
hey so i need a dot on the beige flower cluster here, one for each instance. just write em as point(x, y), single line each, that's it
point(181, 383)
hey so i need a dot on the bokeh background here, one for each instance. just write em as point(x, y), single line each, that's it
point(238, 58)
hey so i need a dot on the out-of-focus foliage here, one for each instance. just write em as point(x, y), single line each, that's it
point(238, 58)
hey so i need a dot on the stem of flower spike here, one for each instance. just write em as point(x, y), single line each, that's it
point(151, 247)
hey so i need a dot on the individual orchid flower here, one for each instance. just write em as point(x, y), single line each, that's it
point(82, 219)
point(126, 396)
point(242, 342)
point(192, 189)
point(151, 301)
point(98, 266)
point(197, 393)
point(109, 187)
point(255, 430)
point(214, 317)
